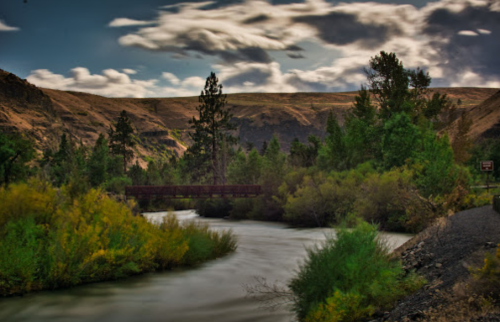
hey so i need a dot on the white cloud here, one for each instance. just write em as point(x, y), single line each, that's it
point(470, 79)
point(5, 27)
point(484, 31)
point(129, 71)
point(194, 81)
point(126, 22)
point(110, 83)
point(467, 33)
point(174, 80)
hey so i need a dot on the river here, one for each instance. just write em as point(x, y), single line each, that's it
point(213, 291)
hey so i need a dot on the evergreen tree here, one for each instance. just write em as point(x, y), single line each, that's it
point(120, 139)
point(333, 155)
point(362, 130)
point(211, 131)
point(99, 161)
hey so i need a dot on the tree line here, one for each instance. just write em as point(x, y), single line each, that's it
point(386, 162)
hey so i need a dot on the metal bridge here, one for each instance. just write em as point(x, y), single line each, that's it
point(195, 191)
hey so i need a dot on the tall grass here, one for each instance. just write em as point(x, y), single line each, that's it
point(50, 240)
point(349, 278)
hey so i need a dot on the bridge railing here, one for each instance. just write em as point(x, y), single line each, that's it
point(193, 191)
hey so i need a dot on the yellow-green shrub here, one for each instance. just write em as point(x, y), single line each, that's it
point(487, 278)
point(49, 239)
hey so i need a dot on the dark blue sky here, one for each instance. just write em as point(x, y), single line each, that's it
point(140, 48)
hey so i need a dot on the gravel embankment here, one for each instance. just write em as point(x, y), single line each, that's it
point(443, 255)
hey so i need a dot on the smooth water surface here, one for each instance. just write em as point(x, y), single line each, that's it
point(211, 292)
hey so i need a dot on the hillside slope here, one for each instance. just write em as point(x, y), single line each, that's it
point(485, 118)
point(162, 123)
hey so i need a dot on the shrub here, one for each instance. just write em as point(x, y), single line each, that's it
point(50, 239)
point(350, 277)
point(117, 184)
point(487, 278)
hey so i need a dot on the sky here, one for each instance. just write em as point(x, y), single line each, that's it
point(167, 48)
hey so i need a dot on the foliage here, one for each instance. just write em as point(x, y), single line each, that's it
point(61, 241)
point(487, 278)
point(434, 165)
point(399, 140)
point(302, 155)
point(319, 200)
point(211, 131)
point(121, 139)
point(333, 155)
point(349, 278)
point(16, 151)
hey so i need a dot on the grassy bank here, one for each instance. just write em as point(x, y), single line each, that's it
point(49, 239)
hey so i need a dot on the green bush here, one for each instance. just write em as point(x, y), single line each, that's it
point(349, 277)
point(117, 184)
point(50, 239)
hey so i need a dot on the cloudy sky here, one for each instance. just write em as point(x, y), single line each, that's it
point(165, 48)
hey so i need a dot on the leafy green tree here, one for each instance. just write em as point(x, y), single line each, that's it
point(402, 90)
point(121, 140)
point(15, 153)
point(399, 140)
point(434, 165)
point(245, 169)
point(211, 130)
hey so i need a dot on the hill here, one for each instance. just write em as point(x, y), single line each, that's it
point(485, 118)
point(162, 123)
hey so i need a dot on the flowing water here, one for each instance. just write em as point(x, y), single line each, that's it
point(213, 291)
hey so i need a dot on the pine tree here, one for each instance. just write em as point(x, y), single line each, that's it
point(120, 139)
point(211, 130)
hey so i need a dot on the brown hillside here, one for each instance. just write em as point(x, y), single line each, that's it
point(485, 117)
point(162, 123)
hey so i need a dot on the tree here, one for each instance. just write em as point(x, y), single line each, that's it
point(15, 152)
point(402, 90)
point(362, 137)
point(399, 140)
point(120, 139)
point(98, 163)
point(211, 130)
point(332, 155)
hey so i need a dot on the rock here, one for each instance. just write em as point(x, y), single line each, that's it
point(438, 265)
point(490, 245)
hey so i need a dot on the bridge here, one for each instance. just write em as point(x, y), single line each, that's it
point(193, 191)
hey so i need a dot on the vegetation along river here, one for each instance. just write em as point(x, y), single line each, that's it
point(210, 292)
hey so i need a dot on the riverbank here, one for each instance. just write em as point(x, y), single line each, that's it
point(447, 254)
point(50, 239)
